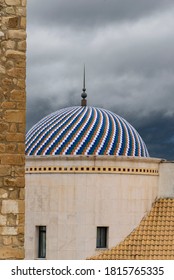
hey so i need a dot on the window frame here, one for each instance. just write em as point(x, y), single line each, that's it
point(41, 251)
point(102, 237)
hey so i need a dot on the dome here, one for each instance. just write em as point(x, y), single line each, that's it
point(84, 130)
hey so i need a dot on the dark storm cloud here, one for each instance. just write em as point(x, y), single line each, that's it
point(157, 132)
point(80, 13)
point(39, 107)
point(128, 50)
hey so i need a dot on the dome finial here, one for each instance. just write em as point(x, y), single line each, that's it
point(84, 95)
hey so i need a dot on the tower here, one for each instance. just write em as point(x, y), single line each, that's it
point(12, 127)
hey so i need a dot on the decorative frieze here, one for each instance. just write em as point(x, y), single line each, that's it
point(93, 169)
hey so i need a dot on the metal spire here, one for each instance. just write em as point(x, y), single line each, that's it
point(84, 95)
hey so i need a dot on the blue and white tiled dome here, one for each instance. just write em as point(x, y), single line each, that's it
point(84, 130)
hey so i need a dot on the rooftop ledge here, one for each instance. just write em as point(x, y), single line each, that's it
point(94, 158)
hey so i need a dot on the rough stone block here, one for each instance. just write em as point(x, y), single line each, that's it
point(5, 170)
point(10, 11)
point(21, 182)
point(7, 82)
point(3, 59)
point(14, 54)
point(20, 229)
point(22, 193)
point(21, 11)
point(13, 128)
point(11, 148)
point(1, 95)
point(22, 45)
point(9, 206)
point(3, 193)
point(24, 3)
point(20, 63)
point(21, 84)
point(2, 69)
point(3, 127)
point(13, 22)
point(14, 116)
point(3, 220)
point(12, 220)
point(2, 148)
point(18, 240)
point(12, 2)
point(17, 95)
point(15, 137)
point(17, 34)
point(9, 182)
point(1, 184)
point(16, 72)
point(21, 148)
point(12, 159)
point(9, 64)
point(21, 205)
point(2, 34)
point(14, 182)
point(2, 137)
point(10, 44)
point(21, 127)
point(6, 230)
point(19, 171)
point(8, 105)
point(7, 240)
point(9, 252)
point(14, 194)
point(21, 219)
point(20, 105)
point(23, 22)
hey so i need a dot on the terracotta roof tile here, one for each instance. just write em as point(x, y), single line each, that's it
point(152, 239)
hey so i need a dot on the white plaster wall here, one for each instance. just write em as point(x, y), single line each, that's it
point(73, 205)
point(166, 180)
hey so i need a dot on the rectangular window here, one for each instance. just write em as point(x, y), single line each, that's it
point(102, 236)
point(42, 242)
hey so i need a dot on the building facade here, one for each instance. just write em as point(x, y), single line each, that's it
point(89, 183)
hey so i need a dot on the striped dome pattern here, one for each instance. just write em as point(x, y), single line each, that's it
point(84, 131)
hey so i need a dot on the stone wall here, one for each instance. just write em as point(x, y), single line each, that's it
point(12, 127)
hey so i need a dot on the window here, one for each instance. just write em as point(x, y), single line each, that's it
point(102, 235)
point(42, 242)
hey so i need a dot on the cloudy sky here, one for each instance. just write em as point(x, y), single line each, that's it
point(128, 49)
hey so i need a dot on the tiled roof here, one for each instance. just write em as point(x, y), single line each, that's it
point(152, 239)
point(84, 130)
